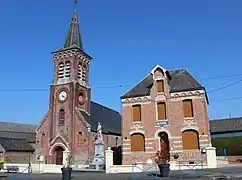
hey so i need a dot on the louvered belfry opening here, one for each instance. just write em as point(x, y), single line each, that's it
point(190, 139)
point(137, 112)
point(161, 110)
point(61, 71)
point(67, 69)
point(188, 108)
point(137, 142)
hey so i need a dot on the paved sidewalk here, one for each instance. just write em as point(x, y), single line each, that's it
point(234, 172)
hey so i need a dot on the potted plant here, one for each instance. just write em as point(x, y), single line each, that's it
point(162, 159)
point(66, 170)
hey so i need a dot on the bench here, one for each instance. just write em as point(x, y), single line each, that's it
point(12, 169)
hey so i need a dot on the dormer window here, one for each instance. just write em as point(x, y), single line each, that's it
point(160, 86)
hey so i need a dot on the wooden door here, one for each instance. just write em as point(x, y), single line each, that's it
point(59, 156)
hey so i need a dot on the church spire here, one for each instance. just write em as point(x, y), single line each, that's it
point(73, 38)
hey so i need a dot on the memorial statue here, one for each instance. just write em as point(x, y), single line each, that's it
point(99, 132)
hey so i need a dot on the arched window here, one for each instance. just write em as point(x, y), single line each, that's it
point(79, 139)
point(67, 69)
point(42, 140)
point(61, 70)
point(79, 71)
point(62, 117)
point(84, 71)
point(137, 142)
point(190, 139)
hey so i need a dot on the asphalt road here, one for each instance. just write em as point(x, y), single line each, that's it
point(234, 172)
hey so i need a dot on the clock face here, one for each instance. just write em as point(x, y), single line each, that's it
point(62, 95)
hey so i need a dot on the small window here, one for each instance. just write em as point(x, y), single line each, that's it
point(161, 110)
point(79, 139)
point(188, 108)
point(160, 86)
point(190, 139)
point(61, 70)
point(137, 142)
point(42, 140)
point(116, 141)
point(62, 117)
point(136, 112)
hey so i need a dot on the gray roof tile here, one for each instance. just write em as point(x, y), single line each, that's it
point(226, 125)
point(10, 144)
point(109, 119)
point(180, 80)
point(17, 127)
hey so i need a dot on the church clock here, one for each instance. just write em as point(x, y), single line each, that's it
point(62, 96)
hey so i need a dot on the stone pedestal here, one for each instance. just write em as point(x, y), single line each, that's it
point(99, 153)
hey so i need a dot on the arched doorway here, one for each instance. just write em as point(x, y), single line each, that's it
point(59, 155)
point(164, 142)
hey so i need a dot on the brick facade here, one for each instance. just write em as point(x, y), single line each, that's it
point(176, 122)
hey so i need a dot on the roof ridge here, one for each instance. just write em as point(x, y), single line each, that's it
point(232, 118)
point(18, 123)
point(13, 138)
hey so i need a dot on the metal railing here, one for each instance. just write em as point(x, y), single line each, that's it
point(149, 169)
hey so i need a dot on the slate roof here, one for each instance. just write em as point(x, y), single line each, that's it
point(226, 125)
point(180, 80)
point(18, 131)
point(74, 36)
point(110, 119)
point(10, 144)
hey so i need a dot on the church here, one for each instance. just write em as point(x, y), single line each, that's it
point(72, 118)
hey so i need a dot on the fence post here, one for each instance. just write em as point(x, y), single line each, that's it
point(109, 159)
point(225, 153)
point(211, 157)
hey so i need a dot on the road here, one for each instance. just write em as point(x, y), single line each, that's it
point(234, 172)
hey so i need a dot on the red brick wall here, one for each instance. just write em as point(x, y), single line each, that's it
point(176, 123)
point(19, 157)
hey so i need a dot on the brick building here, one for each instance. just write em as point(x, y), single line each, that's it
point(167, 108)
point(17, 142)
point(72, 118)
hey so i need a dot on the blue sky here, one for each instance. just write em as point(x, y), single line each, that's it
point(126, 39)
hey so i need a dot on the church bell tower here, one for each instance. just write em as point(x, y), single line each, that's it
point(70, 87)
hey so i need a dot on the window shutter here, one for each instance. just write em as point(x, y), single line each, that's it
point(190, 140)
point(187, 108)
point(137, 143)
point(136, 113)
point(160, 86)
point(161, 109)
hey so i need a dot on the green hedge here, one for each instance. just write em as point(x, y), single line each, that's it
point(233, 145)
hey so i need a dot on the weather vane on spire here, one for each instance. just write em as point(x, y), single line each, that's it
point(75, 2)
